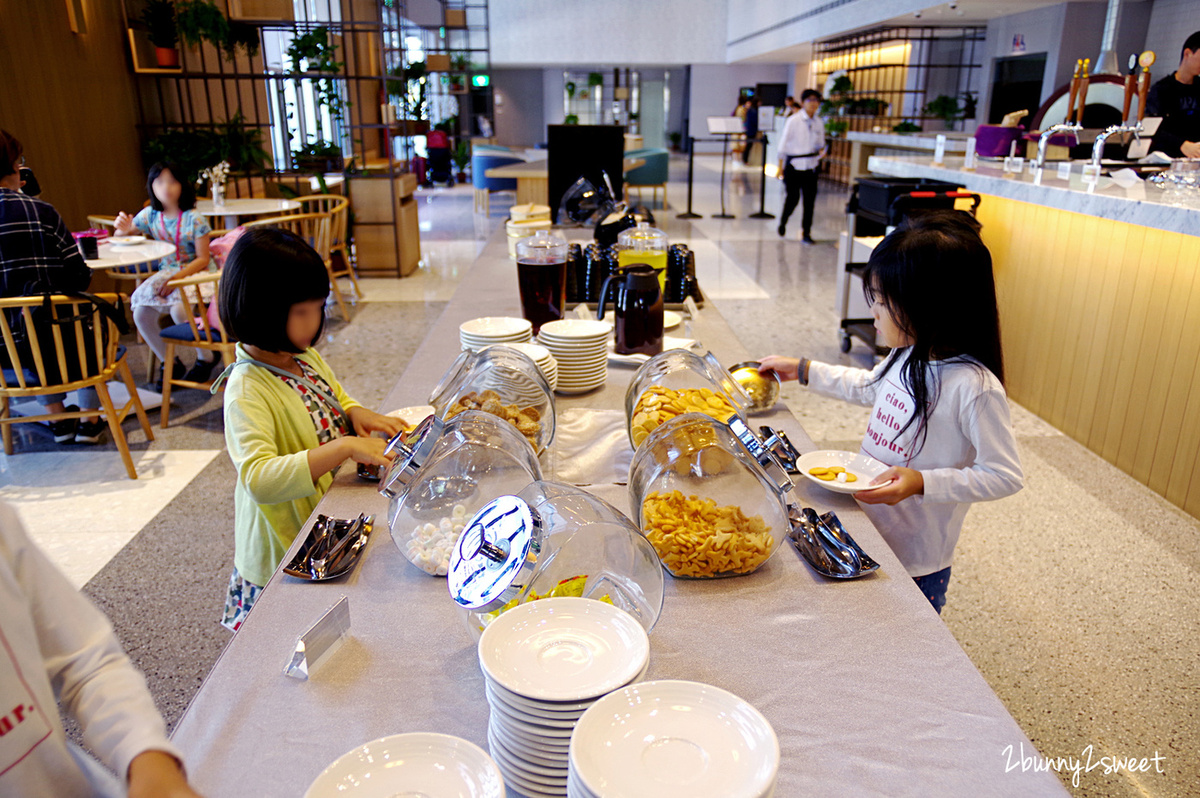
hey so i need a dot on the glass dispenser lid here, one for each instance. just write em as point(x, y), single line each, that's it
point(496, 555)
point(412, 450)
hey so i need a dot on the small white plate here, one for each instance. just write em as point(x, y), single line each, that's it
point(510, 712)
point(554, 754)
point(412, 416)
point(496, 326)
point(411, 764)
point(555, 776)
point(126, 241)
point(575, 329)
point(675, 738)
point(524, 754)
point(563, 649)
point(671, 319)
point(863, 467)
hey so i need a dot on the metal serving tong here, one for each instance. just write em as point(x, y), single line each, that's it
point(332, 548)
point(826, 545)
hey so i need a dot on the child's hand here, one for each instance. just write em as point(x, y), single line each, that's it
point(156, 774)
point(124, 223)
point(367, 421)
point(905, 482)
point(788, 368)
point(368, 451)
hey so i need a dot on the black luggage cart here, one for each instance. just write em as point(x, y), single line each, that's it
point(876, 205)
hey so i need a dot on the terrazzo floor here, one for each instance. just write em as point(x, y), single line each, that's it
point(1078, 598)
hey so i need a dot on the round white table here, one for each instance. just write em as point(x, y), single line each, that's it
point(115, 257)
point(235, 209)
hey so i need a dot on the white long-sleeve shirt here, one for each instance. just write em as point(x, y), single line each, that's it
point(55, 644)
point(802, 135)
point(970, 454)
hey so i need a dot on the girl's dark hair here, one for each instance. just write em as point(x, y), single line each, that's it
point(187, 192)
point(267, 271)
point(10, 153)
point(933, 273)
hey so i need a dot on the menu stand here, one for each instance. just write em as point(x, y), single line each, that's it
point(724, 126)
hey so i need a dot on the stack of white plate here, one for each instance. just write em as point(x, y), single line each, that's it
point(479, 333)
point(544, 360)
point(545, 663)
point(581, 349)
point(412, 764)
point(672, 738)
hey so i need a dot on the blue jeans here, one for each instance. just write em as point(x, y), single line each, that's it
point(934, 587)
point(88, 400)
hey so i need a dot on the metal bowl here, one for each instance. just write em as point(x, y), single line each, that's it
point(763, 389)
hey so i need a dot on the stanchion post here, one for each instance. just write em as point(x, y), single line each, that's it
point(724, 157)
point(691, 164)
point(762, 186)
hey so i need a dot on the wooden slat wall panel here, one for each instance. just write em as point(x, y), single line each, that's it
point(1101, 325)
point(70, 99)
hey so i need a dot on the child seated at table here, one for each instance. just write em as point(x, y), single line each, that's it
point(940, 419)
point(170, 217)
point(59, 651)
point(288, 422)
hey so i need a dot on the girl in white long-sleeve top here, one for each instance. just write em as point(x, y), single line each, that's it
point(940, 417)
point(57, 649)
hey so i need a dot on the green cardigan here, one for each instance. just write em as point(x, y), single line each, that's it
point(268, 432)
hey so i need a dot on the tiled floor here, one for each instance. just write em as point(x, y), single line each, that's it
point(1078, 599)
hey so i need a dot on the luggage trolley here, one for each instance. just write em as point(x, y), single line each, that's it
point(876, 205)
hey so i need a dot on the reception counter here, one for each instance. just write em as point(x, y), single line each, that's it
point(1099, 292)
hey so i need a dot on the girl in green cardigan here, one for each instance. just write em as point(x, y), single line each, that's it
point(288, 422)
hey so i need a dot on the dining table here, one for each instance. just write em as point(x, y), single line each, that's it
point(233, 210)
point(119, 258)
point(865, 686)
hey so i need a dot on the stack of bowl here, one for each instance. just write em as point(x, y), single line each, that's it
point(544, 664)
point(481, 333)
point(581, 349)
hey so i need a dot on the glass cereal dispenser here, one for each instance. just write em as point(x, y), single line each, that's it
point(679, 381)
point(709, 506)
point(504, 382)
point(550, 539)
point(443, 472)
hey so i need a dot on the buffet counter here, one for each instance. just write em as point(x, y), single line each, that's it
point(1099, 294)
point(868, 691)
point(863, 145)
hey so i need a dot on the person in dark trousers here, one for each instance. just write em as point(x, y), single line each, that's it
point(801, 149)
point(750, 128)
point(1176, 98)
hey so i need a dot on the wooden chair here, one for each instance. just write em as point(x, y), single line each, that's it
point(313, 228)
point(338, 208)
point(108, 364)
point(194, 333)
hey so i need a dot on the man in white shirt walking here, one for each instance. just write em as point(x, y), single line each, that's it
point(800, 152)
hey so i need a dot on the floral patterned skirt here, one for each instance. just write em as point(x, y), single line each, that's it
point(238, 601)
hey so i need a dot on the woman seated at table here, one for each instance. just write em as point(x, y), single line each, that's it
point(170, 217)
point(38, 254)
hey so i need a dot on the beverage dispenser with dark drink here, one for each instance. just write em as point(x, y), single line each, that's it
point(542, 277)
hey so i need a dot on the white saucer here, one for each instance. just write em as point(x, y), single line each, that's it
point(411, 764)
point(126, 241)
point(675, 738)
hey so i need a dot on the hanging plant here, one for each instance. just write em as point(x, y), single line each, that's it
point(201, 21)
point(570, 90)
point(314, 52)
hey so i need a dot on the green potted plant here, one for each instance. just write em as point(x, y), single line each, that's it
point(570, 90)
point(191, 149)
point(945, 108)
point(571, 119)
point(906, 127)
point(241, 144)
point(461, 157)
point(201, 21)
point(159, 18)
point(595, 79)
point(676, 138)
point(318, 156)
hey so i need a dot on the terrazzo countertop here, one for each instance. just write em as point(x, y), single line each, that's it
point(955, 142)
point(1141, 204)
